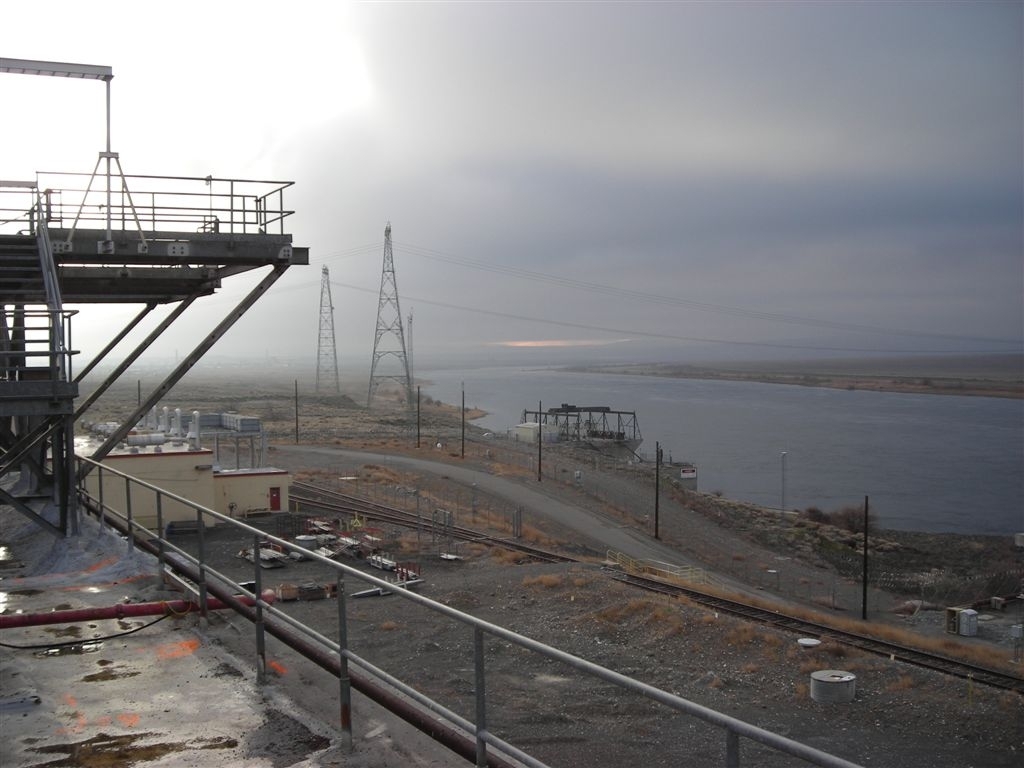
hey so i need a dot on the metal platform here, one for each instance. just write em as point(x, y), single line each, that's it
point(74, 239)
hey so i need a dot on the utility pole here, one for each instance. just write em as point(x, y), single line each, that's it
point(389, 338)
point(540, 438)
point(657, 484)
point(864, 594)
point(326, 352)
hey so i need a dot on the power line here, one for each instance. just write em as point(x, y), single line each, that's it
point(650, 334)
point(754, 314)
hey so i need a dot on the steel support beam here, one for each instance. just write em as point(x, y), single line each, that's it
point(175, 376)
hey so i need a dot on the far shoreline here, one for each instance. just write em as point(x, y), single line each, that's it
point(923, 382)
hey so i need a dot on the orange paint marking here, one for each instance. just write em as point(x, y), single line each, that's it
point(128, 719)
point(278, 667)
point(70, 700)
point(177, 650)
point(101, 564)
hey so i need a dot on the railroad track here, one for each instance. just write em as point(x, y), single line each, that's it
point(330, 501)
point(801, 626)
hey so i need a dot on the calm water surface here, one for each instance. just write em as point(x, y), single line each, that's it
point(926, 462)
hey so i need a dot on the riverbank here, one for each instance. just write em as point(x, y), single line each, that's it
point(983, 376)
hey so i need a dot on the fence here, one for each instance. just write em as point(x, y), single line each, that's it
point(315, 644)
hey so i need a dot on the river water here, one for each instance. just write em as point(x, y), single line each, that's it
point(931, 463)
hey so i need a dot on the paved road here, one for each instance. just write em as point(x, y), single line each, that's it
point(596, 530)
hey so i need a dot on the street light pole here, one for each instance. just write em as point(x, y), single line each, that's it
point(782, 505)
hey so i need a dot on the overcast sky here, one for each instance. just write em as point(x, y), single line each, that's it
point(664, 181)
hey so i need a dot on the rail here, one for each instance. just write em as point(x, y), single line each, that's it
point(104, 480)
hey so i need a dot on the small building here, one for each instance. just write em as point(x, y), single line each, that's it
point(527, 432)
point(190, 473)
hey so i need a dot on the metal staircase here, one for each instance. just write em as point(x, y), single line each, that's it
point(75, 245)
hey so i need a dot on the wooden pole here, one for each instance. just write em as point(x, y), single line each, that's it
point(540, 439)
point(864, 594)
point(657, 484)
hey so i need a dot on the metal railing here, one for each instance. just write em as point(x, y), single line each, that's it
point(152, 203)
point(34, 344)
point(664, 571)
point(103, 480)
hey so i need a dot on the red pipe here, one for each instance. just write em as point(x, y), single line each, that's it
point(120, 611)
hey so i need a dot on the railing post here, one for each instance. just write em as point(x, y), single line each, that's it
point(732, 749)
point(481, 699)
point(128, 513)
point(160, 530)
point(344, 682)
point(261, 643)
point(202, 565)
point(99, 479)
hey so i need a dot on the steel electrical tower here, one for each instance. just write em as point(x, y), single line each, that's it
point(326, 352)
point(389, 340)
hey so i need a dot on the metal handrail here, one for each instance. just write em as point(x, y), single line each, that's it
point(733, 727)
point(152, 203)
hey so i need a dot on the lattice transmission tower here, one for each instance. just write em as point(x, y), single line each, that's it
point(389, 339)
point(326, 352)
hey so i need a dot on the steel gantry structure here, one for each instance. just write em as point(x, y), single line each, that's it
point(72, 239)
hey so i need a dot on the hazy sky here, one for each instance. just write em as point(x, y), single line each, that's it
point(640, 181)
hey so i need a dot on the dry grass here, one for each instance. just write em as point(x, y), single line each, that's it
point(546, 580)
point(505, 556)
point(951, 646)
point(901, 683)
point(655, 617)
point(388, 626)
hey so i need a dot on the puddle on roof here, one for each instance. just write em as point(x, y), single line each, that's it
point(72, 631)
point(7, 558)
point(105, 751)
point(67, 650)
point(110, 673)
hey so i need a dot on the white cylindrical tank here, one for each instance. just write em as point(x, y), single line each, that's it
point(833, 686)
point(194, 431)
point(152, 438)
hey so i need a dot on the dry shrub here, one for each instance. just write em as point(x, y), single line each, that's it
point(739, 558)
point(546, 580)
point(656, 617)
point(802, 690)
point(716, 683)
point(388, 626)
point(901, 683)
point(810, 665)
point(770, 640)
point(1011, 702)
point(534, 535)
point(708, 619)
point(742, 634)
point(835, 650)
point(750, 667)
point(506, 556)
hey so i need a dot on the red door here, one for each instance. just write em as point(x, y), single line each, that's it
point(275, 499)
